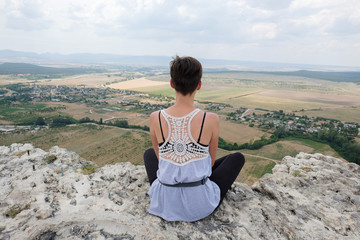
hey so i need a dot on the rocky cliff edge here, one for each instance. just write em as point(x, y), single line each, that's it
point(46, 195)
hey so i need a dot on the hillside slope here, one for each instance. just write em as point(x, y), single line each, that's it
point(311, 196)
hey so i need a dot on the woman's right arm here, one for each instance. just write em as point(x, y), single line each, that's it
point(154, 123)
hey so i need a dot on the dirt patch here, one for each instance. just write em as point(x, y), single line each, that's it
point(87, 80)
point(78, 111)
point(137, 83)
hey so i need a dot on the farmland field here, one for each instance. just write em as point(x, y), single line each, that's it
point(316, 97)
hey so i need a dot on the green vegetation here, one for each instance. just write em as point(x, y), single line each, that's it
point(50, 159)
point(88, 169)
point(343, 144)
point(260, 170)
point(100, 144)
point(306, 169)
point(298, 174)
point(62, 121)
point(125, 124)
point(15, 210)
point(330, 76)
point(40, 121)
point(251, 145)
point(26, 113)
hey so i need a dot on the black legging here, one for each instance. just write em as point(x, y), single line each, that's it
point(224, 171)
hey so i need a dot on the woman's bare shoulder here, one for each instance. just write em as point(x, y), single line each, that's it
point(154, 114)
point(212, 116)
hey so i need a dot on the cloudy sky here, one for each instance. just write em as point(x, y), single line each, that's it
point(288, 31)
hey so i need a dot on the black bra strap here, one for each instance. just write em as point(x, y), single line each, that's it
point(162, 134)
point(202, 125)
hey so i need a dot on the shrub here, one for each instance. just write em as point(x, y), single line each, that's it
point(50, 159)
point(40, 121)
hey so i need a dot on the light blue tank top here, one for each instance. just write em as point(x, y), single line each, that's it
point(183, 160)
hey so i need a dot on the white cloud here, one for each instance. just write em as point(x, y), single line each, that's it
point(304, 4)
point(215, 28)
point(265, 30)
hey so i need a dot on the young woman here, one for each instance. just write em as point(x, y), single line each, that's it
point(187, 184)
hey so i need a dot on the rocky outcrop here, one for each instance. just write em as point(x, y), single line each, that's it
point(46, 195)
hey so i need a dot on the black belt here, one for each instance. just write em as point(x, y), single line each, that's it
point(188, 184)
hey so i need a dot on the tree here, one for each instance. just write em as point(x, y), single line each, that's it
point(85, 120)
point(40, 121)
point(121, 123)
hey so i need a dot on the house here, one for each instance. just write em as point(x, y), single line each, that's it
point(7, 130)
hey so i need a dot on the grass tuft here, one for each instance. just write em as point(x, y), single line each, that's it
point(306, 169)
point(88, 169)
point(15, 210)
point(298, 174)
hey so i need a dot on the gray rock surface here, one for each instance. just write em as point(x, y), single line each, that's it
point(310, 196)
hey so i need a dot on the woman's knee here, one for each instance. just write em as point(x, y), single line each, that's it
point(149, 151)
point(240, 159)
point(149, 154)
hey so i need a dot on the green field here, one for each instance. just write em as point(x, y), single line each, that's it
point(100, 144)
point(26, 113)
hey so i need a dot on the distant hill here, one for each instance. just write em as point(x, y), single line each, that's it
point(24, 68)
point(116, 59)
point(83, 58)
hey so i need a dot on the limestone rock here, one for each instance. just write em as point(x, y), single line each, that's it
point(310, 196)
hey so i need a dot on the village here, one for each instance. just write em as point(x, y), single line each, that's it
point(270, 120)
point(109, 100)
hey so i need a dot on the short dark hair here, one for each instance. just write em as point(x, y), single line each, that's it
point(186, 73)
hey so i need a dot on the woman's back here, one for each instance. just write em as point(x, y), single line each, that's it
point(181, 157)
point(203, 127)
point(184, 167)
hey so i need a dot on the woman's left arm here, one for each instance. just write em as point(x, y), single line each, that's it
point(213, 144)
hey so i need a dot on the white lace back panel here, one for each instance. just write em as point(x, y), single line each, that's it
point(179, 147)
